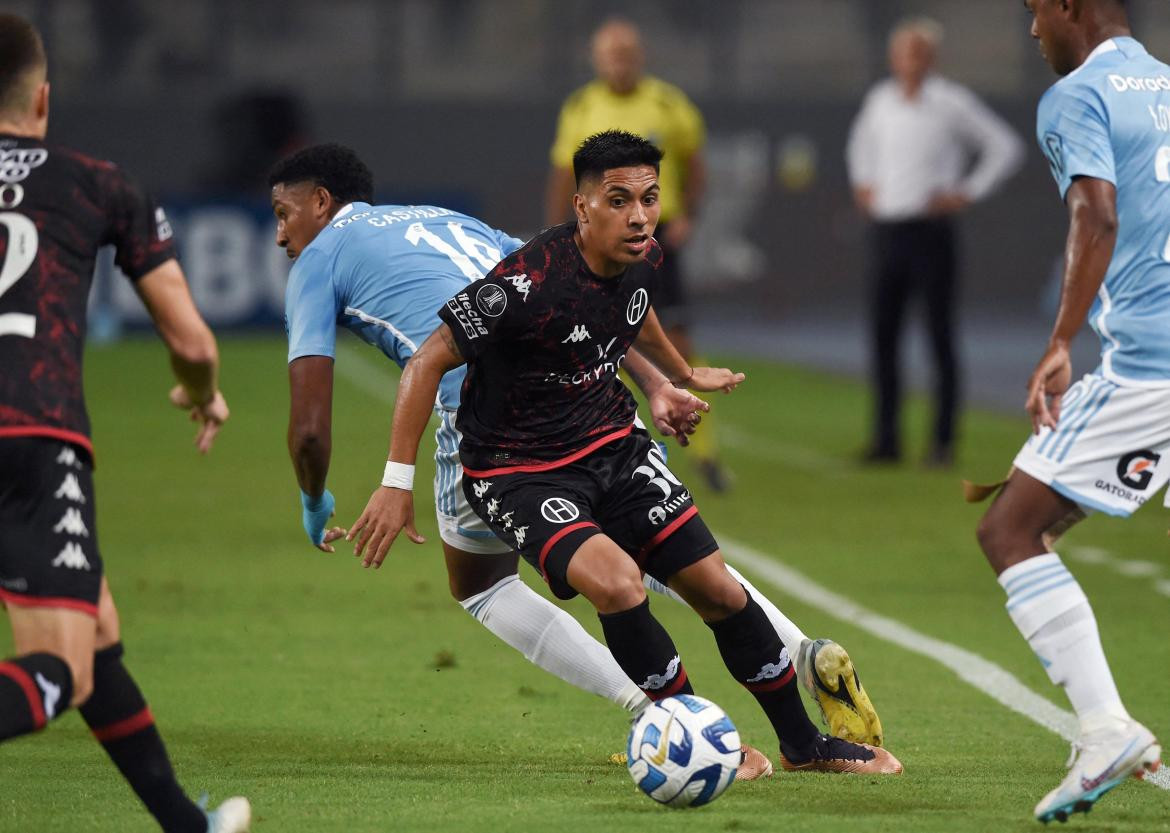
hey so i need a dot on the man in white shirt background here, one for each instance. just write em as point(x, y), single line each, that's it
point(921, 150)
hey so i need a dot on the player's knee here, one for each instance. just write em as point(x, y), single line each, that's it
point(719, 599)
point(617, 591)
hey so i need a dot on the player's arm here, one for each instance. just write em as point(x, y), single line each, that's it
point(675, 412)
point(1092, 234)
point(391, 508)
point(194, 355)
point(654, 345)
point(310, 443)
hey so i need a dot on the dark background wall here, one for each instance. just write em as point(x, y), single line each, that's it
point(454, 101)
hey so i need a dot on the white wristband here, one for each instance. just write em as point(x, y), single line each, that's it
point(398, 476)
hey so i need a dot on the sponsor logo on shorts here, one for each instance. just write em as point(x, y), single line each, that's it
point(16, 585)
point(491, 300)
point(639, 303)
point(1136, 469)
point(656, 515)
point(1118, 491)
point(557, 510)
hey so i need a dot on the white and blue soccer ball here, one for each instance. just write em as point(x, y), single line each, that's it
point(683, 751)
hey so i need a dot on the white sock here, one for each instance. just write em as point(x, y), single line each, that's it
point(789, 633)
point(1053, 614)
point(552, 639)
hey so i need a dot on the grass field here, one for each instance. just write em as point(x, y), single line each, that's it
point(344, 700)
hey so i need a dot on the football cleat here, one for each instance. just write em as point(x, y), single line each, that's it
point(828, 675)
point(1100, 761)
point(233, 816)
point(830, 754)
point(753, 764)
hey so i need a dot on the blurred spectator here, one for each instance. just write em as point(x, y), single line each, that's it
point(623, 97)
point(921, 150)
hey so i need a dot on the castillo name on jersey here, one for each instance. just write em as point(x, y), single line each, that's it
point(544, 338)
point(57, 209)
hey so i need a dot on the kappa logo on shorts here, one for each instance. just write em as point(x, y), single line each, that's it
point(557, 510)
point(491, 300)
point(72, 557)
point(68, 457)
point(70, 489)
point(1136, 469)
point(639, 303)
point(72, 523)
point(480, 488)
point(520, 531)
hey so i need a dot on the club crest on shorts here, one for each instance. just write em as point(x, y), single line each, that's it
point(491, 300)
point(557, 510)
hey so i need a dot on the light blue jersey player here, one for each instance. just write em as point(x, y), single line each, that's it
point(383, 272)
point(1101, 443)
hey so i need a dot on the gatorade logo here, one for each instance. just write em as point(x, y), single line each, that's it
point(1136, 469)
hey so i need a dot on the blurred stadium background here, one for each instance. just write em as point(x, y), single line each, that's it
point(454, 101)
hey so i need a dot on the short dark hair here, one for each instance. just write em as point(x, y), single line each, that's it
point(611, 149)
point(334, 167)
point(21, 52)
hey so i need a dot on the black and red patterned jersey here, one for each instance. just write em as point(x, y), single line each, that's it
point(57, 209)
point(544, 337)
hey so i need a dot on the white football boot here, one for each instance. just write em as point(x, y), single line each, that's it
point(1101, 760)
point(233, 816)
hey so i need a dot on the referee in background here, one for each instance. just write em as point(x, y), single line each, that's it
point(622, 97)
point(921, 150)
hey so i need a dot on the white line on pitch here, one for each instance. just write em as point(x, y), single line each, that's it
point(991, 679)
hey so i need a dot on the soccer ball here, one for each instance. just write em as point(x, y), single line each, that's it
point(683, 751)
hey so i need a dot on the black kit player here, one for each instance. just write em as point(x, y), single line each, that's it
point(555, 466)
point(57, 209)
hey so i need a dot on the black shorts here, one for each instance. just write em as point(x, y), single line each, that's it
point(623, 490)
point(670, 297)
point(48, 538)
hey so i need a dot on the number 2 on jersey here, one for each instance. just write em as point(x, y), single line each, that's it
point(21, 252)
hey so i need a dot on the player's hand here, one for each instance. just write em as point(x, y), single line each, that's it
point(713, 379)
point(210, 416)
point(1049, 381)
point(676, 412)
point(389, 512)
point(315, 514)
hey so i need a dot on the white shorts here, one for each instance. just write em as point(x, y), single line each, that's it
point(459, 526)
point(1106, 451)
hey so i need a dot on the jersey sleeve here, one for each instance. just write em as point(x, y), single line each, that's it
point(310, 307)
point(1073, 130)
point(137, 226)
point(506, 243)
point(484, 313)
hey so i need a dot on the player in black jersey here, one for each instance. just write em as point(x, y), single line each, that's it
point(554, 464)
point(57, 209)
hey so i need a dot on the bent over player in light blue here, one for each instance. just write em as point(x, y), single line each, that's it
point(383, 272)
point(1098, 443)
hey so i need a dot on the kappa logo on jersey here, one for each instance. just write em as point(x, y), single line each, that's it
point(480, 488)
point(557, 510)
point(72, 557)
point(70, 489)
point(639, 303)
point(1136, 469)
point(50, 694)
point(491, 300)
point(520, 283)
point(1054, 149)
point(579, 333)
point(772, 670)
point(68, 457)
point(72, 523)
point(163, 225)
point(18, 163)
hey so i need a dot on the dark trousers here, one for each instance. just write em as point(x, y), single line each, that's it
point(913, 258)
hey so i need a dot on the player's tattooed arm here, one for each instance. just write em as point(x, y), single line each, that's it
point(390, 509)
point(653, 343)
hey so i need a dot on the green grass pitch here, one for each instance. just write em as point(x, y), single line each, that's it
point(340, 699)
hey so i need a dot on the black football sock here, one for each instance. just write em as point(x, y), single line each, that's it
point(755, 656)
point(34, 689)
point(645, 651)
point(119, 718)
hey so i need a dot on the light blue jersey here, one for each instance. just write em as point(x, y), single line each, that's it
point(1110, 120)
point(384, 271)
